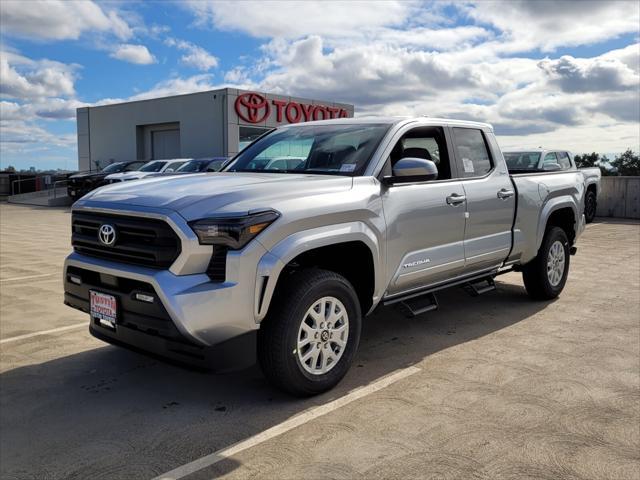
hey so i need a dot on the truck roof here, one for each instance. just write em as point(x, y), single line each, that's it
point(425, 120)
point(536, 150)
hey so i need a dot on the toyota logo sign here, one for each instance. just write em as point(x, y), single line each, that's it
point(252, 107)
point(107, 235)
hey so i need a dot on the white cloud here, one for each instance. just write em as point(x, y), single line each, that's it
point(294, 19)
point(590, 75)
point(59, 20)
point(26, 78)
point(549, 24)
point(138, 54)
point(178, 86)
point(195, 56)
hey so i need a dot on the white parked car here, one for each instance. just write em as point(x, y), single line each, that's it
point(154, 166)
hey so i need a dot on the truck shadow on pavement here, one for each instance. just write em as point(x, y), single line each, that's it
point(111, 413)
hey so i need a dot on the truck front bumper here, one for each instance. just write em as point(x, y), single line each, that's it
point(186, 318)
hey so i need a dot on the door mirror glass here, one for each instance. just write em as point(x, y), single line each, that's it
point(410, 169)
point(551, 167)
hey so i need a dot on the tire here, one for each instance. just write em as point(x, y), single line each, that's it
point(590, 205)
point(279, 354)
point(540, 284)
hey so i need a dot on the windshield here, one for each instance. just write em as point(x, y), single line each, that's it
point(153, 166)
point(522, 160)
point(341, 149)
point(114, 167)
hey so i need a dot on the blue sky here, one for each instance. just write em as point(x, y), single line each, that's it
point(561, 74)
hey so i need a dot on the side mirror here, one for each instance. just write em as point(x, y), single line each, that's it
point(411, 169)
point(551, 167)
point(169, 170)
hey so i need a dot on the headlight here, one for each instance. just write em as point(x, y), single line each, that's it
point(232, 232)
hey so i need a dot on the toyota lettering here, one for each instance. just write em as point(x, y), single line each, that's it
point(252, 107)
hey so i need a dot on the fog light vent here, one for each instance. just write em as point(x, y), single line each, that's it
point(143, 297)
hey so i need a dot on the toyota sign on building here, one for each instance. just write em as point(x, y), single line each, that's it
point(204, 124)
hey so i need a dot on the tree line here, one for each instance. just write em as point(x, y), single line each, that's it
point(625, 164)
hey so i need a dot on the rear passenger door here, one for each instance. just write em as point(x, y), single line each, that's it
point(490, 195)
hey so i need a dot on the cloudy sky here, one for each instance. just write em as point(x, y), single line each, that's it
point(555, 73)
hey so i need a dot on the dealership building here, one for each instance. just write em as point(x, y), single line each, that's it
point(216, 123)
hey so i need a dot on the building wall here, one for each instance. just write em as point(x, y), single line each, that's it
point(209, 124)
point(121, 132)
point(276, 104)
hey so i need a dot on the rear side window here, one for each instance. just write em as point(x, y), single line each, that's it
point(564, 160)
point(550, 159)
point(472, 153)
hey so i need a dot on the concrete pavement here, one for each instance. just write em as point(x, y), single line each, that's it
point(505, 387)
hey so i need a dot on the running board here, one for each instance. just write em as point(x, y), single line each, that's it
point(413, 307)
point(479, 287)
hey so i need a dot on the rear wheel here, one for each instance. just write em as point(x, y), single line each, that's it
point(545, 276)
point(590, 205)
point(309, 339)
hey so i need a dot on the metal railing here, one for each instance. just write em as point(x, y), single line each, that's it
point(17, 185)
point(55, 187)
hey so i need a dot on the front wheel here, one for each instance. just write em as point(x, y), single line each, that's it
point(545, 276)
point(310, 336)
point(590, 205)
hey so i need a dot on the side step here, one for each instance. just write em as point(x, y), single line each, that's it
point(413, 307)
point(479, 287)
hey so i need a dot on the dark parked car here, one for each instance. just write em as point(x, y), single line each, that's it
point(80, 184)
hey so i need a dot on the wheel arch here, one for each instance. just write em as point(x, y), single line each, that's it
point(561, 213)
point(352, 250)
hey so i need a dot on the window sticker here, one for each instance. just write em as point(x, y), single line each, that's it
point(468, 165)
point(348, 167)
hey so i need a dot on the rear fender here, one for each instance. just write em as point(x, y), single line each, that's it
point(552, 205)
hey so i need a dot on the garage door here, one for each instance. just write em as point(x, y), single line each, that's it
point(165, 144)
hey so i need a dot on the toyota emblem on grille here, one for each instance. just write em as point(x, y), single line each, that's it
point(107, 235)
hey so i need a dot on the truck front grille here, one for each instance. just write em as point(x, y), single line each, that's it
point(141, 241)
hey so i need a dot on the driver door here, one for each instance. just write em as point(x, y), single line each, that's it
point(425, 220)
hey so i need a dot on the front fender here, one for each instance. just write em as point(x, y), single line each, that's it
point(273, 262)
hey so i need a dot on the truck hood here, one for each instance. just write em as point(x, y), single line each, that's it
point(209, 194)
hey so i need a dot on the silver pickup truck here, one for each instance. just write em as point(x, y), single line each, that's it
point(282, 260)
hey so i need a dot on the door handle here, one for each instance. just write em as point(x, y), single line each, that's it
point(503, 194)
point(454, 199)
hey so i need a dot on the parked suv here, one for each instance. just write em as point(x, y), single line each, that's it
point(218, 268)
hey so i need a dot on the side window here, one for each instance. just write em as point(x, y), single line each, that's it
point(471, 152)
point(564, 160)
point(550, 159)
point(427, 143)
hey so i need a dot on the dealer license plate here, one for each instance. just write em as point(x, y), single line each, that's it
point(104, 308)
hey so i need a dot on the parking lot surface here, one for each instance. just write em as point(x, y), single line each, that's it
point(496, 386)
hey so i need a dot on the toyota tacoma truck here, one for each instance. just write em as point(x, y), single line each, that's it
point(218, 269)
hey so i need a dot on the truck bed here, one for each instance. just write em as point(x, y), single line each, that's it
point(539, 193)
